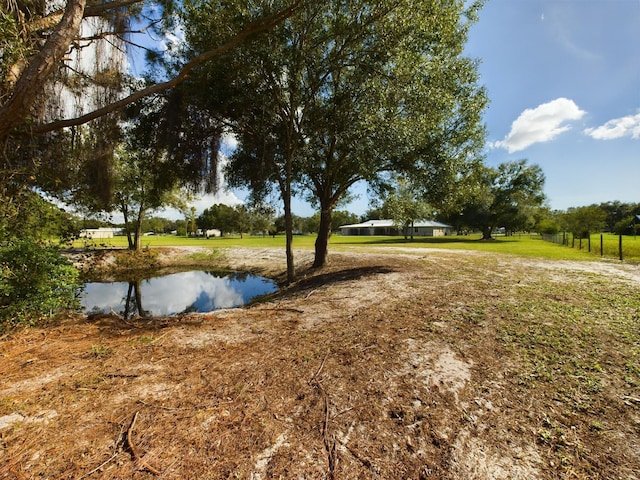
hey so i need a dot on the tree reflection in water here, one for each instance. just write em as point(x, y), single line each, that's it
point(133, 302)
point(194, 291)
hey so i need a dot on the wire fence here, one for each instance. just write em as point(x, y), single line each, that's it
point(607, 245)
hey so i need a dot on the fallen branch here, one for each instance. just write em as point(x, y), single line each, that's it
point(282, 309)
point(183, 409)
point(102, 465)
point(364, 461)
point(329, 443)
point(134, 453)
point(156, 339)
point(313, 380)
point(630, 401)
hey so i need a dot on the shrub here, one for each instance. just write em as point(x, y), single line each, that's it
point(36, 281)
point(625, 226)
point(548, 226)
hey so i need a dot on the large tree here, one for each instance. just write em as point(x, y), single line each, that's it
point(506, 196)
point(582, 221)
point(222, 217)
point(39, 41)
point(38, 38)
point(400, 98)
point(343, 92)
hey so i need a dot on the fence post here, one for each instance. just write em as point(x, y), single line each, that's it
point(620, 246)
point(589, 242)
point(601, 246)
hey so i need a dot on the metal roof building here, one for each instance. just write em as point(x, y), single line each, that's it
point(422, 228)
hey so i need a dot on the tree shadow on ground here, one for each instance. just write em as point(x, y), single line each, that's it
point(313, 281)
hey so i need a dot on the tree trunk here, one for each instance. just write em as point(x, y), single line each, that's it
point(259, 25)
point(129, 237)
point(322, 240)
point(33, 79)
point(125, 214)
point(288, 227)
point(138, 293)
point(137, 243)
point(486, 233)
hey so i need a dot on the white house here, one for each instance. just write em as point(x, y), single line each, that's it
point(422, 228)
point(214, 232)
point(102, 232)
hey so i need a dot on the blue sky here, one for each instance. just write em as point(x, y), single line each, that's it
point(563, 78)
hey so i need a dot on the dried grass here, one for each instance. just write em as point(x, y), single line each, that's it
point(387, 366)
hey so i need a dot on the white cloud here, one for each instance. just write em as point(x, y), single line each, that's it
point(628, 126)
point(229, 140)
point(540, 124)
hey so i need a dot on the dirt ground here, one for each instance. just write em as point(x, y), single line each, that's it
point(411, 364)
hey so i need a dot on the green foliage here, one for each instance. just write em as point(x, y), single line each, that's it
point(24, 212)
point(12, 46)
point(374, 213)
point(223, 217)
point(298, 224)
point(261, 219)
point(548, 226)
point(342, 217)
point(405, 208)
point(340, 92)
point(35, 282)
point(617, 212)
point(508, 196)
point(626, 226)
point(582, 221)
point(338, 218)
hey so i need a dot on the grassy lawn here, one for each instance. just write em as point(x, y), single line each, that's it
point(521, 245)
point(610, 243)
point(610, 247)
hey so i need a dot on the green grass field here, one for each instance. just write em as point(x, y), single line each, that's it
point(521, 245)
point(630, 246)
point(610, 246)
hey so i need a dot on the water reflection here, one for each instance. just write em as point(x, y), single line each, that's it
point(195, 291)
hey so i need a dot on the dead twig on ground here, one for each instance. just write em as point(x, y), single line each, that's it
point(282, 309)
point(101, 466)
point(315, 375)
point(182, 409)
point(117, 449)
point(134, 453)
point(329, 443)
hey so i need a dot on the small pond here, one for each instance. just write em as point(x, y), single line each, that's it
point(194, 291)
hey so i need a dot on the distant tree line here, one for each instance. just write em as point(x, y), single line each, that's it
point(612, 217)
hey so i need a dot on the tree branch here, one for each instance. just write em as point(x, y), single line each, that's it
point(254, 27)
point(35, 76)
point(50, 20)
